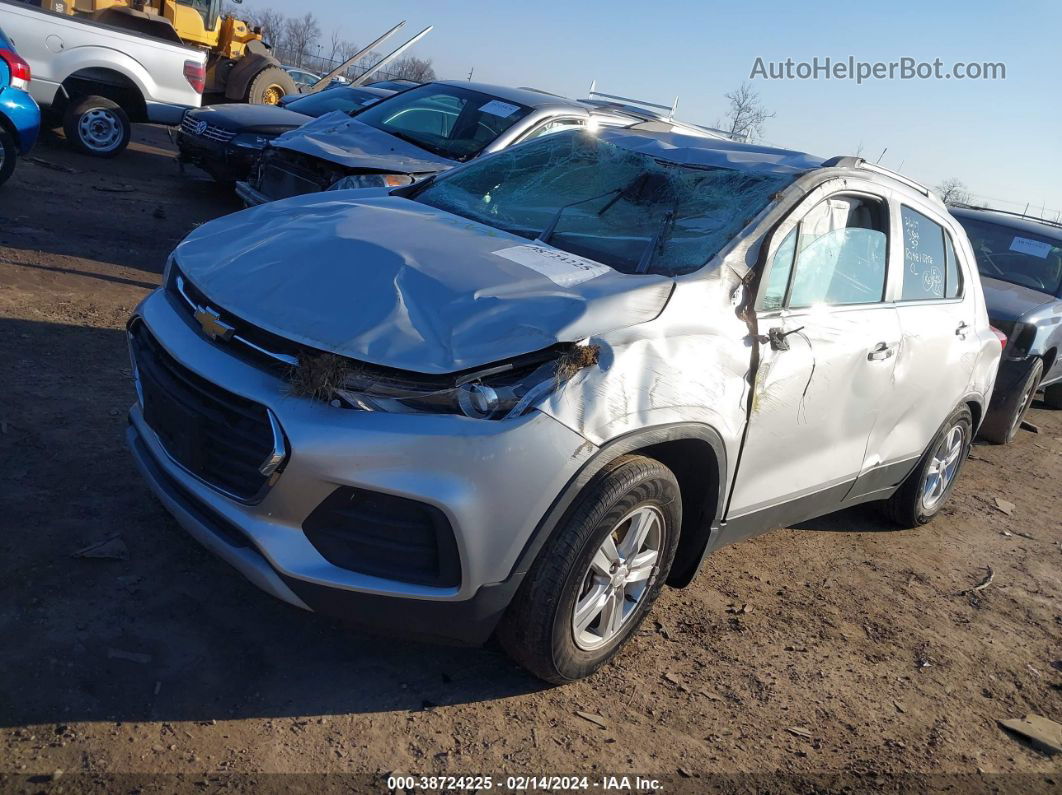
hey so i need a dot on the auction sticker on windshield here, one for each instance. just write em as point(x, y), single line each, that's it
point(498, 108)
point(1024, 245)
point(560, 267)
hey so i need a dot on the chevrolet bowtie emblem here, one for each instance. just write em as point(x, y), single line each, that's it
point(212, 324)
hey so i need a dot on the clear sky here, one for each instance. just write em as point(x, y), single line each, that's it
point(1002, 138)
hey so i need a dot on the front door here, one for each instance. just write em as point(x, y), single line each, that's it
point(827, 357)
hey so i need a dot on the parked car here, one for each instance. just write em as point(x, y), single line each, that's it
point(225, 140)
point(96, 80)
point(423, 131)
point(20, 118)
point(303, 78)
point(528, 393)
point(1020, 259)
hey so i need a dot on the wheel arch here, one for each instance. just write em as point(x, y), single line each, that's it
point(104, 82)
point(694, 452)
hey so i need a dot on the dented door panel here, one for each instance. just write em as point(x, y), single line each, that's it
point(816, 404)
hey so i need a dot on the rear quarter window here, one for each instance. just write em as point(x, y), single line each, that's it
point(930, 269)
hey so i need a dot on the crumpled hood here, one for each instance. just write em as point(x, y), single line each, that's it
point(338, 138)
point(1010, 302)
point(390, 281)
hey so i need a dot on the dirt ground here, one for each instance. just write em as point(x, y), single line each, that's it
point(843, 654)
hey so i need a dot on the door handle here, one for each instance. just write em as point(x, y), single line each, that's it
point(882, 351)
point(960, 331)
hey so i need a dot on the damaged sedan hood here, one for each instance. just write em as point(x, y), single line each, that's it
point(338, 138)
point(389, 281)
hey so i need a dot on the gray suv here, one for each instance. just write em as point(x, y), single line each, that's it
point(524, 395)
point(1020, 260)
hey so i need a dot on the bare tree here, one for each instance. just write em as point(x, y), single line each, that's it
point(336, 44)
point(299, 34)
point(419, 69)
point(952, 191)
point(747, 115)
point(272, 24)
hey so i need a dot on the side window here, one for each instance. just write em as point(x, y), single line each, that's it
point(953, 274)
point(841, 253)
point(778, 273)
point(930, 271)
point(556, 125)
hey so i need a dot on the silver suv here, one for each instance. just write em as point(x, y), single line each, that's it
point(526, 394)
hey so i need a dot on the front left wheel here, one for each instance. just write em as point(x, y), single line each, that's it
point(8, 153)
point(596, 579)
point(1005, 416)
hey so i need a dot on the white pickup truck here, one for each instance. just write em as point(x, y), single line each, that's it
point(97, 79)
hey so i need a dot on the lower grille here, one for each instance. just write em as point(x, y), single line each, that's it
point(221, 438)
point(385, 536)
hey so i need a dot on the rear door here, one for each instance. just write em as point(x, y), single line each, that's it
point(826, 377)
point(941, 344)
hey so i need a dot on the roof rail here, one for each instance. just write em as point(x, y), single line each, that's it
point(593, 92)
point(1023, 216)
point(851, 161)
point(542, 91)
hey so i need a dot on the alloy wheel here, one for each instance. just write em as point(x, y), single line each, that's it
point(620, 573)
point(943, 466)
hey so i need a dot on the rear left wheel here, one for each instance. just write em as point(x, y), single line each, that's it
point(928, 487)
point(597, 578)
point(97, 126)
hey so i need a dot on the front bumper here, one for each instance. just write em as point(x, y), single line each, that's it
point(494, 481)
point(224, 162)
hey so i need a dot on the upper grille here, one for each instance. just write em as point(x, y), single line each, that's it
point(191, 126)
point(221, 438)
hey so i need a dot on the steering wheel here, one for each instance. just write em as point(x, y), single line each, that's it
point(1015, 276)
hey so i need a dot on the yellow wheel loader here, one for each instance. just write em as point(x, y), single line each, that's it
point(240, 66)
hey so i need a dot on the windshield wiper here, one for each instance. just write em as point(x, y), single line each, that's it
point(418, 143)
point(551, 227)
point(650, 250)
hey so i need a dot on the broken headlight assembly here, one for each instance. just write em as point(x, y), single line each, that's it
point(493, 393)
point(371, 181)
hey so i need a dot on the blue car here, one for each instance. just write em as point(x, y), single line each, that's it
point(20, 118)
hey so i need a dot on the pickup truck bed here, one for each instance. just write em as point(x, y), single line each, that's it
point(73, 59)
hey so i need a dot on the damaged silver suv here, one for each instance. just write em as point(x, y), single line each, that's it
point(524, 395)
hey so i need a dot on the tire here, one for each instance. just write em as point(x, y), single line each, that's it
point(539, 630)
point(911, 506)
point(8, 155)
point(1053, 396)
point(1004, 418)
point(97, 126)
point(270, 86)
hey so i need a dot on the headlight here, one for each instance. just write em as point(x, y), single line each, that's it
point(167, 270)
point(251, 140)
point(371, 181)
point(500, 392)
